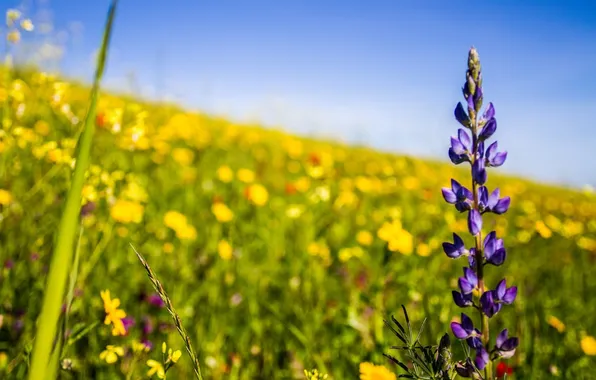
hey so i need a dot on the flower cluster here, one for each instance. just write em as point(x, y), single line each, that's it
point(469, 147)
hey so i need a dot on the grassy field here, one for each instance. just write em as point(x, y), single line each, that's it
point(280, 253)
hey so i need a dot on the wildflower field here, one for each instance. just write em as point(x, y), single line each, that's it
point(280, 253)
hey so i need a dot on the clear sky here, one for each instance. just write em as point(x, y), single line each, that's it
point(384, 73)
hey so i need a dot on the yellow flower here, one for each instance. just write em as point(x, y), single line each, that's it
point(225, 174)
point(364, 238)
point(175, 356)
point(588, 344)
point(222, 212)
point(402, 242)
point(389, 230)
point(127, 212)
point(42, 128)
point(258, 194)
point(5, 197)
point(423, 250)
point(556, 323)
point(13, 36)
point(369, 371)
point(186, 232)
point(139, 347)
point(183, 156)
point(174, 220)
point(246, 176)
point(12, 15)
point(113, 314)
point(543, 230)
point(111, 353)
point(314, 375)
point(155, 368)
point(224, 249)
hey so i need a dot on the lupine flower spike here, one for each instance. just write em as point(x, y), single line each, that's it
point(469, 147)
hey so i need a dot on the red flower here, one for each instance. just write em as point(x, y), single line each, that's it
point(503, 369)
point(100, 120)
point(290, 189)
point(314, 159)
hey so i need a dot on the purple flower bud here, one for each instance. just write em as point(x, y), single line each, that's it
point(457, 158)
point(494, 250)
point(478, 98)
point(494, 158)
point(488, 304)
point(502, 206)
point(474, 222)
point(479, 172)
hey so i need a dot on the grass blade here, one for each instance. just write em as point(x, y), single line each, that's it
point(63, 251)
point(177, 320)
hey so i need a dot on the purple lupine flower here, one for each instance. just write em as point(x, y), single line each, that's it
point(456, 249)
point(469, 282)
point(488, 249)
point(494, 250)
point(506, 346)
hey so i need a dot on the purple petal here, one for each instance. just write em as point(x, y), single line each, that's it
point(449, 195)
point(483, 196)
point(461, 116)
point(492, 150)
point(457, 158)
point(462, 300)
point(470, 100)
point(510, 295)
point(471, 276)
point(479, 172)
point(493, 198)
point(464, 139)
point(499, 159)
point(502, 337)
point(478, 98)
point(481, 358)
point(465, 286)
point(510, 344)
point(458, 331)
point(501, 288)
point(474, 222)
point(474, 342)
point(466, 323)
point(489, 129)
point(489, 113)
point(502, 206)
point(457, 146)
point(498, 258)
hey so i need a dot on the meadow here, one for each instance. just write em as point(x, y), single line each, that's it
point(280, 253)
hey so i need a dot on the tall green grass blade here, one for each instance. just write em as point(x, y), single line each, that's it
point(63, 251)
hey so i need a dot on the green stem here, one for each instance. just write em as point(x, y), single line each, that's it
point(63, 251)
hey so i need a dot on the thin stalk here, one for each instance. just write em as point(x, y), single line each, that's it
point(63, 251)
point(484, 320)
point(175, 316)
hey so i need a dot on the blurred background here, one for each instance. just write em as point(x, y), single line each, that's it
point(380, 73)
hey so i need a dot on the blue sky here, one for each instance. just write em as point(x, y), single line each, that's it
point(383, 73)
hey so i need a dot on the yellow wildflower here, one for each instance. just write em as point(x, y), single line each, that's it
point(389, 230)
point(111, 353)
point(13, 36)
point(224, 249)
point(302, 184)
point(588, 344)
point(543, 230)
point(175, 356)
point(139, 347)
point(246, 175)
point(186, 232)
point(257, 194)
point(174, 220)
point(5, 197)
point(12, 15)
point(183, 156)
point(113, 314)
point(423, 250)
point(364, 238)
point(314, 375)
point(225, 174)
point(222, 212)
point(127, 212)
point(556, 323)
point(42, 128)
point(402, 242)
point(155, 368)
point(369, 371)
